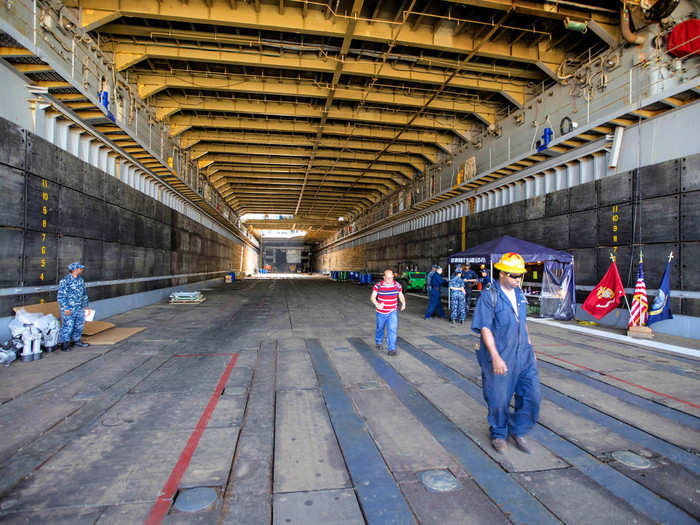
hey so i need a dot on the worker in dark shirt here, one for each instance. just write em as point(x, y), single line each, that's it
point(470, 279)
point(435, 304)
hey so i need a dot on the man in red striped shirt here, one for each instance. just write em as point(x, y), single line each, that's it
point(385, 297)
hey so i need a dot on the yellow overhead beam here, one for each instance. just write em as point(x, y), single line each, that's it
point(181, 123)
point(219, 38)
point(190, 138)
point(215, 171)
point(284, 151)
point(91, 18)
point(150, 84)
point(228, 159)
point(321, 193)
point(365, 182)
point(314, 22)
point(167, 106)
point(575, 10)
point(253, 182)
point(129, 54)
point(293, 172)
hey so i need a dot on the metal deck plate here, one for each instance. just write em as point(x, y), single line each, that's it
point(439, 481)
point(195, 499)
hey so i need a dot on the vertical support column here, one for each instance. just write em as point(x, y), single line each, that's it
point(586, 169)
point(560, 180)
point(51, 127)
point(102, 158)
point(62, 134)
point(600, 165)
point(572, 173)
point(537, 185)
point(85, 143)
point(74, 141)
point(548, 181)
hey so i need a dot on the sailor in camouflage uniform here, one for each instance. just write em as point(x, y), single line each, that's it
point(72, 301)
point(458, 309)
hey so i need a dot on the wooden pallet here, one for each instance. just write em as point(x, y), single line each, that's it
point(198, 301)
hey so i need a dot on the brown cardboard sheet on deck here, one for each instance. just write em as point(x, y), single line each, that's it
point(91, 328)
point(113, 335)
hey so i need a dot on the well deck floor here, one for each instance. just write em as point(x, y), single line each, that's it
point(272, 394)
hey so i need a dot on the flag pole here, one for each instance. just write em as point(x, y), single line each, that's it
point(629, 308)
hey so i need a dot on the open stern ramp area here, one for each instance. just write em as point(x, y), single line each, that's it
point(269, 404)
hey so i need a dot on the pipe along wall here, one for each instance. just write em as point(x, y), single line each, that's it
point(579, 220)
point(57, 209)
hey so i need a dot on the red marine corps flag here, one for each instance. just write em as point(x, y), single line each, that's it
point(606, 296)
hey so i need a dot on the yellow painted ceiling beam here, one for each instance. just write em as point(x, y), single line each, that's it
point(312, 180)
point(228, 159)
point(327, 193)
point(246, 149)
point(181, 123)
point(219, 38)
point(314, 22)
point(130, 54)
point(167, 106)
point(150, 84)
point(293, 196)
point(577, 10)
point(215, 171)
point(190, 138)
point(292, 172)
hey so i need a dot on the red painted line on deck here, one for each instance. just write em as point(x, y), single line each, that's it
point(162, 504)
point(623, 381)
point(198, 355)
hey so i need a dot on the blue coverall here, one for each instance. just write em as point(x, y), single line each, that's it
point(436, 282)
point(72, 295)
point(522, 379)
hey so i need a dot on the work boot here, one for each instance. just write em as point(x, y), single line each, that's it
point(522, 443)
point(392, 352)
point(65, 346)
point(81, 344)
point(499, 444)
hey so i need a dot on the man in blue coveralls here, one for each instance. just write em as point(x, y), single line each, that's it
point(435, 304)
point(506, 356)
point(72, 301)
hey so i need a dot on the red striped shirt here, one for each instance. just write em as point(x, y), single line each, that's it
point(387, 296)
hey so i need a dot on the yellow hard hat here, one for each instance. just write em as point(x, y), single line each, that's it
point(511, 262)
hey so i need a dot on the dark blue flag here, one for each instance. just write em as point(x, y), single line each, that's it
point(661, 307)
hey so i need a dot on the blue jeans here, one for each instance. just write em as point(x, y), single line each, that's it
point(391, 321)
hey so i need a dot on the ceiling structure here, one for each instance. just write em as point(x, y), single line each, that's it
point(320, 108)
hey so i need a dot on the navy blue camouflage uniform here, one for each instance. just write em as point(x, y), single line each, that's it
point(458, 308)
point(72, 295)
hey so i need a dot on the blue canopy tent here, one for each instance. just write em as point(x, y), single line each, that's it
point(558, 298)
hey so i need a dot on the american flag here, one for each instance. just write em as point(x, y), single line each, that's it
point(640, 306)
